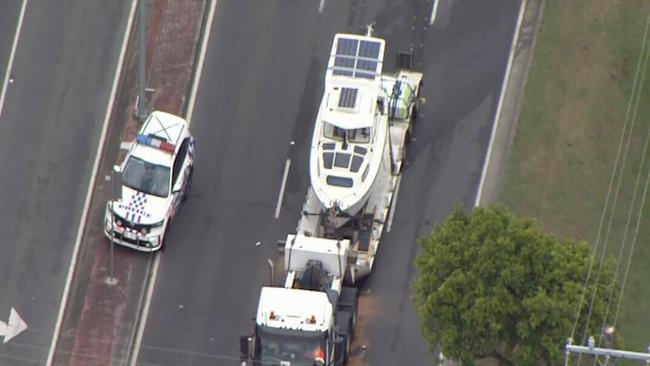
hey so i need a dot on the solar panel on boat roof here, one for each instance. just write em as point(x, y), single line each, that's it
point(347, 46)
point(348, 97)
point(369, 49)
point(356, 58)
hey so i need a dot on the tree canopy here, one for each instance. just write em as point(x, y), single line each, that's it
point(493, 284)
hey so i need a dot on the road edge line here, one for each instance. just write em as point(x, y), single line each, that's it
point(12, 54)
point(91, 184)
point(188, 116)
point(497, 115)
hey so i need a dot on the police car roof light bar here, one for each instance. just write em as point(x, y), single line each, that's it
point(156, 143)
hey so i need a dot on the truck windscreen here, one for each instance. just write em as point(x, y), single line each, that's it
point(274, 346)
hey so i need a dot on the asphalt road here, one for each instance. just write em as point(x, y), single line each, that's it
point(49, 130)
point(260, 90)
point(464, 60)
point(9, 11)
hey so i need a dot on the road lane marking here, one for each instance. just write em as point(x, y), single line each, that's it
point(190, 110)
point(199, 64)
point(321, 6)
point(145, 310)
point(434, 12)
point(391, 213)
point(287, 164)
point(12, 54)
point(497, 115)
point(14, 326)
point(91, 184)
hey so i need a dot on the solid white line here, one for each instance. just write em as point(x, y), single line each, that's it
point(145, 310)
point(321, 6)
point(12, 54)
point(497, 115)
point(287, 164)
point(391, 213)
point(434, 12)
point(199, 64)
point(91, 184)
point(188, 117)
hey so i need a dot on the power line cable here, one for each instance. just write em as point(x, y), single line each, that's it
point(612, 212)
point(629, 261)
point(613, 175)
point(628, 221)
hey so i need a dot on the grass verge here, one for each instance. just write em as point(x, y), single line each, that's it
point(564, 150)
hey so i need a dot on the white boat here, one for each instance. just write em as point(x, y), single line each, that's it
point(351, 130)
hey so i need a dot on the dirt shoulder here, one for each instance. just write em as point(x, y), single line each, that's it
point(101, 317)
point(581, 134)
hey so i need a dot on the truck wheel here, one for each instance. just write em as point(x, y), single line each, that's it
point(353, 322)
point(346, 352)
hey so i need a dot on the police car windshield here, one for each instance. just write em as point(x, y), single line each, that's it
point(146, 177)
point(298, 347)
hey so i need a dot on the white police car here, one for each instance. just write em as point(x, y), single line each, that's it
point(156, 177)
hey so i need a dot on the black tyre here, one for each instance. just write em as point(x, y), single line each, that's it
point(346, 351)
point(414, 112)
point(352, 323)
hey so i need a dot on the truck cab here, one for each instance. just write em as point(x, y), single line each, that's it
point(309, 321)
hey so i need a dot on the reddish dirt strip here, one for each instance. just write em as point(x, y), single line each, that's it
point(101, 333)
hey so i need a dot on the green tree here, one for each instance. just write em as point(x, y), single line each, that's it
point(493, 285)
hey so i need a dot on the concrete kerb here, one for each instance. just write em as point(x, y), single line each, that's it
point(513, 97)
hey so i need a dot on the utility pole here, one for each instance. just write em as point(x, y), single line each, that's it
point(141, 113)
point(111, 279)
point(608, 353)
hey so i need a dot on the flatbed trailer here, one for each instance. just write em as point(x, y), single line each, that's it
point(364, 229)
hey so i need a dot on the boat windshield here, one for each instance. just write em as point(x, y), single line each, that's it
point(146, 177)
point(359, 135)
point(332, 132)
point(355, 135)
point(283, 346)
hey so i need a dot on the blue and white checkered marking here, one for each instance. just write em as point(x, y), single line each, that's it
point(135, 207)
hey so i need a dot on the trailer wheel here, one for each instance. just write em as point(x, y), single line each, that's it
point(353, 321)
point(346, 354)
point(414, 112)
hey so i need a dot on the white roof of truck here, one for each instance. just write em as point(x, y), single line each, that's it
point(288, 308)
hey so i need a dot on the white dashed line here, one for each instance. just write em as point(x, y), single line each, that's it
point(321, 6)
point(434, 12)
point(12, 54)
point(287, 164)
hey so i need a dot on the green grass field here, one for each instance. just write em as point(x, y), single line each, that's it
point(564, 149)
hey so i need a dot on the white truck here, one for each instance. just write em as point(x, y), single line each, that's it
point(311, 319)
